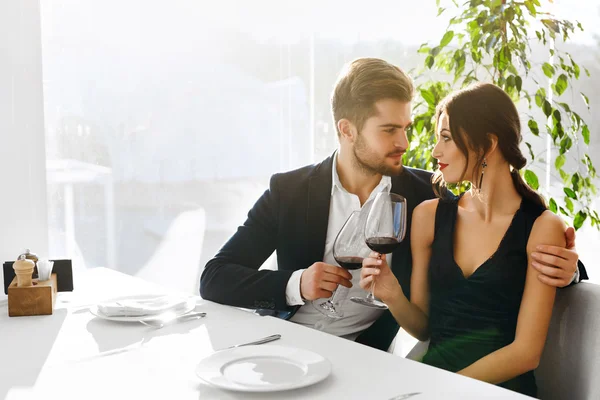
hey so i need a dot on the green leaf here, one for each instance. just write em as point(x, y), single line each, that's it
point(429, 61)
point(530, 151)
point(547, 108)
point(491, 42)
point(533, 127)
point(556, 116)
point(540, 96)
point(560, 161)
point(510, 83)
point(418, 125)
point(531, 8)
point(532, 179)
point(564, 176)
point(428, 97)
point(565, 144)
point(585, 132)
point(424, 49)
point(548, 70)
point(570, 193)
point(552, 26)
point(579, 219)
point(575, 182)
point(565, 107)
point(447, 38)
point(586, 100)
point(563, 211)
point(561, 84)
point(553, 207)
point(518, 83)
point(576, 70)
point(569, 204)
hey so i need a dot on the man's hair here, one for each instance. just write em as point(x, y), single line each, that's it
point(362, 83)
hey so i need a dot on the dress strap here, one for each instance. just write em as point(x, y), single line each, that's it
point(445, 215)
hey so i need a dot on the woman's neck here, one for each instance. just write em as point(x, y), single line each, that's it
point(498, 195)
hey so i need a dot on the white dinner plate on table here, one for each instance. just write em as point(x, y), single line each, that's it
point(263, 368)
point(190, 305)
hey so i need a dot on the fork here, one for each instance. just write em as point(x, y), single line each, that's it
point(160, 322)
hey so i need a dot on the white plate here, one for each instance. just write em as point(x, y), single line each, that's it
point(190, 305)
point(263, 368)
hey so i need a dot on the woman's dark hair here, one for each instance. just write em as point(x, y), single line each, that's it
point(475, 113)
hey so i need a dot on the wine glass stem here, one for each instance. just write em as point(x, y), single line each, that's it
point(371, 295)
point(332, 298)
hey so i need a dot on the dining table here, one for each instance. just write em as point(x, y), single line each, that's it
point(74, 354)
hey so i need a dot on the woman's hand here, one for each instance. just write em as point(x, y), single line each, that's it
point(375, 268)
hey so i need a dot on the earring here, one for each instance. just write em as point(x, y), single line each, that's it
point(483, 165)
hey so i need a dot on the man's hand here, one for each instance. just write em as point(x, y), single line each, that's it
point(557, 265)
point(320, 280)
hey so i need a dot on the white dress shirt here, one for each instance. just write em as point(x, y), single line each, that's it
point(356, 317)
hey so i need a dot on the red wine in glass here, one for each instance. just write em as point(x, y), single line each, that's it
point(384, 230)
point(349, 250)
point(383, 245)
point(350, 262)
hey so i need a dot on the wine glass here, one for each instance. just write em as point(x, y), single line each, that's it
point(349, 250)
point(384, 230)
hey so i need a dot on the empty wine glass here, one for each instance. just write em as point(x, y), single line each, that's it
point(349, 250)
point(384, 230)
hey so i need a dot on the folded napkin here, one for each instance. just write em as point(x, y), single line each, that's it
point(133, 307)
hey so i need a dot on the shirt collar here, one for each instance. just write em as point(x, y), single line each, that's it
point(384, 185)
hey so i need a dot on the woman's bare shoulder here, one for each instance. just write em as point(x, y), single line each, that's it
point(549, 229)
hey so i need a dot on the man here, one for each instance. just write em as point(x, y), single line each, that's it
point(303, 210)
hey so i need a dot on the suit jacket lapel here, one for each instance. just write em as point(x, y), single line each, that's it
point(317, 210)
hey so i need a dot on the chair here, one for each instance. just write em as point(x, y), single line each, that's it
point(176, 262)
point(570, 365)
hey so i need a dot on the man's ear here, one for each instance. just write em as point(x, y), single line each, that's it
point(346, 129)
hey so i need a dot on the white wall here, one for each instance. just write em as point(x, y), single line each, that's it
point(23, 215)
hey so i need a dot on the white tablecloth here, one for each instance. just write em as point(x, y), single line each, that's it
point(74, 355)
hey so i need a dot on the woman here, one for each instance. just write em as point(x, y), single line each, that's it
point(475, 294)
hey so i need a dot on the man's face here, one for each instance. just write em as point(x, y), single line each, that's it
point(380, 145)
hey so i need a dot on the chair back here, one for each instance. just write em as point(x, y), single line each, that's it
point(176, 262)
point(570, 364)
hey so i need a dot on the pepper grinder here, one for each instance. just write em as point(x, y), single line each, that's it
point(24, 271)
point(33, 257)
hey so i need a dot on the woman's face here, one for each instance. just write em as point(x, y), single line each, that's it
point(451, 160)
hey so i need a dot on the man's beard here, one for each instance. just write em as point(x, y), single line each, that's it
point(365, 160)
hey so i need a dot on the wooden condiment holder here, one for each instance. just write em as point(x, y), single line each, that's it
point(37, 299)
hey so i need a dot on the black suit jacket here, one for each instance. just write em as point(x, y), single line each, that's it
point(291, 217)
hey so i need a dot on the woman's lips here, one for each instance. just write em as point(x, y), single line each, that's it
point(442, 166)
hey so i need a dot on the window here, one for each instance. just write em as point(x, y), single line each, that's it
point(164, 120)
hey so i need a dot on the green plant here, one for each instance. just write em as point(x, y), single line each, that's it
point(491, 40)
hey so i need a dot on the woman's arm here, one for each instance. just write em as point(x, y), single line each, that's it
point(410, 315)
point(524, 353)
